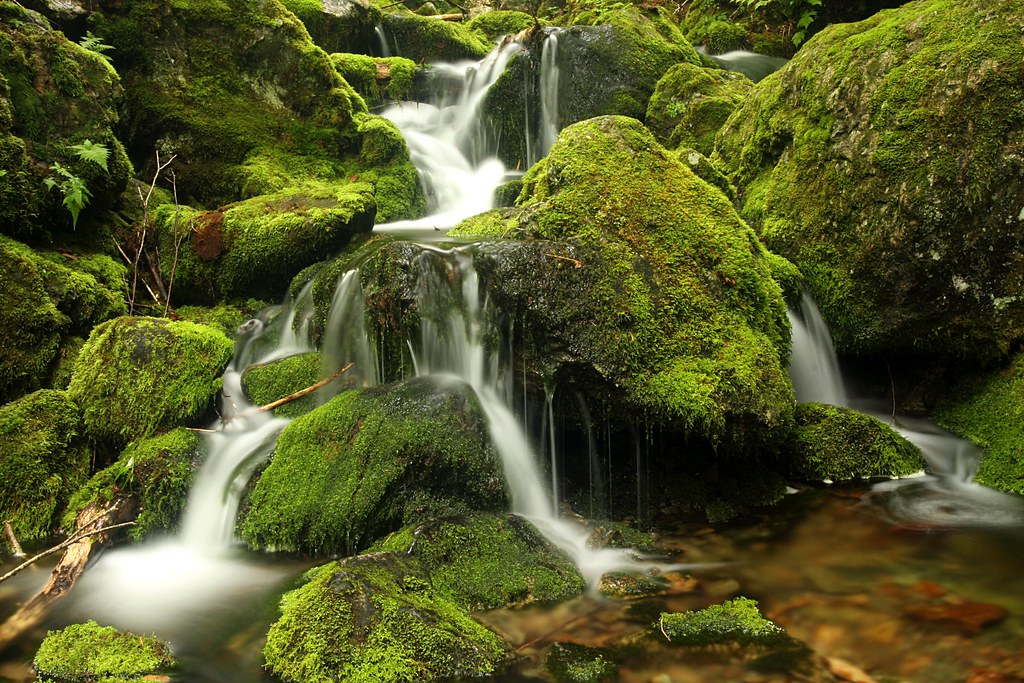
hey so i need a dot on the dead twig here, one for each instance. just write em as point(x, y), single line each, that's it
point(60, 546)
point(577, 262)
point(15, 546)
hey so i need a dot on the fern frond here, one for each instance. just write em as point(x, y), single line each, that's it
point(94, 152)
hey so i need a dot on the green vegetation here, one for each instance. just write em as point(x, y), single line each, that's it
point(498, 23)
point(426, 41)
point(733, 621)
point(377, 79)
point(271, 381)
point(573, 663)
point(833, 443)
point(71, 187)
point(42, 462)
point(90, 652)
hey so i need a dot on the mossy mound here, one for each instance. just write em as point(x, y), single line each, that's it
point(691, 103)
point(988, 409)
point(834, 444)
point(339, 25)
point(883, 162)
point(369, 461)
point(254, 248)
point(378, 79)
point(482, 561)
point(53, 94)
point(498, 23)
point(376, 618)
point(274, 380)
point(733, 621)
point(136, 376)
point(90, 652)
point(641, 280)
point(426, 41)
point(573, 663)
point(158, 472)
point(42, 464)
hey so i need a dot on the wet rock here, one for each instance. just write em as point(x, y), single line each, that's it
point(268, 382)
point(573, 663)
point(623, 586)
point(92, 652)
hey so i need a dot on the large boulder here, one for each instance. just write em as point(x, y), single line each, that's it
point(885, 161)
point(339, 25)
point(640, 279)
point(368, 462)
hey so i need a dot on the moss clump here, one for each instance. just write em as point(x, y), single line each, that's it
point(369, 461)
point(493, 25)
point(428, 40)
point(137, 376)
point(482, 561)
point(225, 317)
point(573, 663)
point(835, 444)
point(268, 382)
point(706, 171)
point(988, 409)
point(42, 464)
point(377, 79)
point(847, 169)
point(734, 621)
point(339, 26)
point(691, 103)
point(376, 618)
point(157, 472)
point(649, 278)
point(623, 586)
point(90, 652)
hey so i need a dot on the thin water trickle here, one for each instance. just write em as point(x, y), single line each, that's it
point(549, 85)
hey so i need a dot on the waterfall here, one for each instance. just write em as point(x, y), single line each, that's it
point(346, 338)
point(382, 41)
point(814, 367)
point(549, 126)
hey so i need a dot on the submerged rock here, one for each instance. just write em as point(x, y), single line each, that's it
point(369, 461)
point(90, 652)
point(573, 663)
point(376, 618)
point(884, 161)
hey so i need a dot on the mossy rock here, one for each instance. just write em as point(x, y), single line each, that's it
point(376, 618)
point(378, 79)
point(830, 443)
point(641, 281)
point(157, 472)
point(498, 23)
point(733, 621)
point(631, 586)
point(691, 103)
point(368, 462)
point(54, 94)
point(988, 409)
point(483, 561)
point(426, 41)
point(136, 376)
point(882, 162)
point(706, 171)
point(90, 652)
point(254, 248)
point(227, 318)
point(574, 663)
point(43, 463)
point(339, 25)
point(268, 382)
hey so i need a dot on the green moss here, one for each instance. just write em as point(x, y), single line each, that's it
point(369, 461)
point(706, 171)
point(90, 652)
point(339, 27)
point(157, 472)
point(498, 23)
point(428, 40)
point(377, 79)
point(987, 409)
point(734, 621)
point(624, 586)
point(833, 443)
point(482, 561)
point(137, 376)
point(225, 317)
point(573, 663)
point(42, 463)
point(723, 36)
point(375, 618)
point(271, 381)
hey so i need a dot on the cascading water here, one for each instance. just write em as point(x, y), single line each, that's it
point(549, 77)
point(814, 368)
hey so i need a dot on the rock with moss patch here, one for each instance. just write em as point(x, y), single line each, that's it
point(136, 376)
point(482, 561)
point(90, 652)
point(339, 25)
point(574, 663)
point(630, 586)
point(43, 463)
point(834, 444)
point(883, 161)
point(733, 621)
point(498, 23)
point(428, 40)
point(268, 382)
point(157, 472)
point(376, 618)
point(378, 79)
point(369, 461)
point(643, 284)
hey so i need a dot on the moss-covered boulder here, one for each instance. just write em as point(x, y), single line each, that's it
point(883, 161)
point(254, 248)
point(157, 472)
point(368, 462)
point(90, 652)
point(268, 382)
point(733, 621)
point(378, 79)
point(425, 41)
point(136, 376)
point(42, 462)
point(339, 25)
point(483, 560)
point(834, 444)
point(574, 663)
point(642, 282)
point(376, 618)
point(54, 94)
point(691, 103)
point(498, 23)
point(988, 409)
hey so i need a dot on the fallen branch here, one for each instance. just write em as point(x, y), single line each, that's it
point(298, 394)
point(455, 16)
point(15, 546)
point(60, 546)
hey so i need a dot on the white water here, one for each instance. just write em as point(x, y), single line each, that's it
point(549, 83)
point(814, 367)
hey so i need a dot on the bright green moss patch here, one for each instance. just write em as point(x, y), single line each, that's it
point(498, 23)
point(369, 461)
point(137, 376)
point(734, 621)
point(833, 443)
point(158, 472)
point(41, 463)
point(90, 652)
point(376, 618)
point(573, 663)
point(426, 41)
point(268, 382)
point(377, 79)
point(989, 410)
point(482, 561)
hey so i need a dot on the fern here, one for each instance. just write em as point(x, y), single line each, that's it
point(96, 45)
point(93, 151)
point(76, 194)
